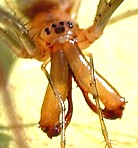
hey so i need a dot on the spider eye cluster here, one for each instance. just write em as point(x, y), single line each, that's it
point(59, 27)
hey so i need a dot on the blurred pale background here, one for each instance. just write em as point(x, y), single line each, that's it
point(115, 57)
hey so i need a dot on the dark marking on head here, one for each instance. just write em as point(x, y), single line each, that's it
point(47, 31)
point(54, 25)
point(61, 23)
point(59, 30)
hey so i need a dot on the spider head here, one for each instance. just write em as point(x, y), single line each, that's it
point(60, 31)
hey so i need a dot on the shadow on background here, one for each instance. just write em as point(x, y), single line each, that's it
point(6, 57)
point(5, 140)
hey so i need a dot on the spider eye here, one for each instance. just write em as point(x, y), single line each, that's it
point(59, 30)
point(70, 25)
point(54, 25)
point(47, 31)
point(61, 23)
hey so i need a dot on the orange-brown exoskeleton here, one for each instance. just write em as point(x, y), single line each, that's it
point(52, 35)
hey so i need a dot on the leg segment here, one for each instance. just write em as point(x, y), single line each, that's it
point(17, 36)
point(104, 13)
point(98, 108)
point(75, 8)
point(13, 42)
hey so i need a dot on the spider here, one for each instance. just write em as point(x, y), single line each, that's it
point(52, 35)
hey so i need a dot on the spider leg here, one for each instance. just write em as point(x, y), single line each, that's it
point(11, 5)
point(14, 33)
point(97, 101)
point(14, 43)
point(124, 15)
point(75, 9)
point(104, 12)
